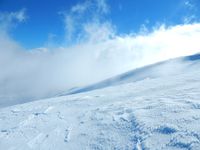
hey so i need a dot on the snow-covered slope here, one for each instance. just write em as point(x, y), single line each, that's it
point(168, 67)
point(160, 110)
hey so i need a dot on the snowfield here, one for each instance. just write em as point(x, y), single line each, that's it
point(159, 111)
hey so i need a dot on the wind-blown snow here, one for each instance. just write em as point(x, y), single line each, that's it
point(155, 112)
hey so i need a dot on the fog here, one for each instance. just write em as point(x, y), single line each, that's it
point(98, 52)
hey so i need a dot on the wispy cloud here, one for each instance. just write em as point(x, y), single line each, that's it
point(102, 6)
point(8, 18)
point(189, 4)
point(81, 7)
point(189, 19)
point(75, 20)
point(191, 11)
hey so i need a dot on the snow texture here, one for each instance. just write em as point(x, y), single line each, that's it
point(159, 111)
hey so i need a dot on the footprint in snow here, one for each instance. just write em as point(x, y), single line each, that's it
point(67, 135)
point(166, 130)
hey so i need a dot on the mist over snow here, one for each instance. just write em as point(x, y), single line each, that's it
point(92, 50)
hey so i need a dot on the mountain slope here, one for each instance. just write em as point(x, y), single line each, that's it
point(150, 71)
point(161, 110)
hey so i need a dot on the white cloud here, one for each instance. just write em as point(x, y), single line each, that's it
point(189, 19)
point(99, 54)
point(69, 27)
point(189, 11)
point(75, 20)
point(189, 4)
point(102, 6)
point(81, 7)
point(8, 19)
point(20, 16)
point(41, 72)
point(97, 32)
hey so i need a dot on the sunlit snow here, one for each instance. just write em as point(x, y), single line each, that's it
point(156, 107)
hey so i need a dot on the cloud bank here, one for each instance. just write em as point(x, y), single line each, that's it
point(98, 53)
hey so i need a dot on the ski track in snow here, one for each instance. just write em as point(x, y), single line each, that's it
point(158, 113)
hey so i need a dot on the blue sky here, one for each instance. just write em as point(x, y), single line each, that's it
point(44, 18)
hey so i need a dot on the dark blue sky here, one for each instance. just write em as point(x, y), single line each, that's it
point(127, 16)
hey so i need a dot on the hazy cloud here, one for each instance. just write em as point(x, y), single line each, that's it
point(99, 54)
point(189, 4)
point(81, 7)
point(191, 12)
point(189, 19)
point(75, 20)
point(7, 19)
point(102, 6)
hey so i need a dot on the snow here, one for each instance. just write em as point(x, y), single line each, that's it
point(154, 112)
